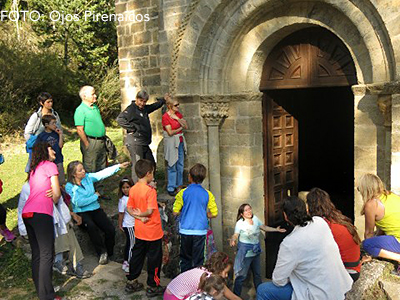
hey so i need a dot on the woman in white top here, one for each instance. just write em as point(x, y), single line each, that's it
point(309, 265)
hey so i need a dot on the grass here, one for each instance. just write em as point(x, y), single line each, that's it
point(13, 174)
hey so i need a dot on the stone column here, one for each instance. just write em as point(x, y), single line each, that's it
point(213, 113)
point(395, 166)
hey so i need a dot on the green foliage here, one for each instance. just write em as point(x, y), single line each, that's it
point(88, 44)
point(27, 70)
point(109, 93)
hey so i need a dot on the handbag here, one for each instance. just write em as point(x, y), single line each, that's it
point(210, 243)
point(111, 150)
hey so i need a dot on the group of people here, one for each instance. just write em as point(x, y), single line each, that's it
point(47, 210)
point(319, 259)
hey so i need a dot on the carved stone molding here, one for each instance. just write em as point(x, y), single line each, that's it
point(385, 88)
point(214, 112)
point(385, 107)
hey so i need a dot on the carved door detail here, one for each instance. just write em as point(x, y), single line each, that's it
point(282, 158)
point(313, 57)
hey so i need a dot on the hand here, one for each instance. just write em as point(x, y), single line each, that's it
point(87, 145)
point(124, 165)
point(153, 184)
point(232, 242)
point(144, 219)
point(77, 219)
point(58, 130)
point(136, 211)
point(120, 228)
point(174, 117)
point(49, 193)
point(97, 193)
point(167, 96)
point(281, 230)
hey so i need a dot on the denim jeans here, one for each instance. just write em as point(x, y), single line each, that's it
point(269, 291)
point(252, 263)
point(175, 173)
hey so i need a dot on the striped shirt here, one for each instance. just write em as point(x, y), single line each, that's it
point(186, 283)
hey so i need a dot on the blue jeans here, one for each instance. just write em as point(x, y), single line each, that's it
point(252, 263)
point(175, 173)
point(269, 291)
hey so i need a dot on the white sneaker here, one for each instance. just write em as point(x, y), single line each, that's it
point(125, 266)
point(103, 260)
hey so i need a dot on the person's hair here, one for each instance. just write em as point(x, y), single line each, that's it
point(40, 152)
point(71, 170)
point(370, 187)
point(124, 180)
point(170, 103)
point(198, 172)
point(218, 262)
point(241, 210)
point(320, 204)
point(46, 119)
point(296, 211)
point(143, 166)
point(142, 94)
point(210, 283)
point(83, 90)
point(43, 96)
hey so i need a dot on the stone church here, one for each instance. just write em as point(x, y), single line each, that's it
point(280, 95)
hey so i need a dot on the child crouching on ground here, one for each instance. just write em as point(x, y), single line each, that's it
point(148, 233)
point(211, 287)
point(187, 283)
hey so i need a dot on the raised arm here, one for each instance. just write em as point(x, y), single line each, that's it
point(156, 105)
point(107, 172)
point(272, 229)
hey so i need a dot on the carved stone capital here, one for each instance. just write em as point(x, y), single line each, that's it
point(214, 112)
point(385, 107)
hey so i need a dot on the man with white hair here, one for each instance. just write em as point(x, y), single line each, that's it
point(91, 131)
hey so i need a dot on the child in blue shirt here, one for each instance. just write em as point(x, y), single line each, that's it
point(194, 205)
point(54, 136)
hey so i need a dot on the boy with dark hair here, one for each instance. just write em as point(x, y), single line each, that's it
point(142, 203)
point(195, 205)
point(54, 136)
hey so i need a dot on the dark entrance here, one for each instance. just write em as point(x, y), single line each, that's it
point(308, 124)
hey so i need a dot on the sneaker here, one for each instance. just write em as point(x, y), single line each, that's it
point(153, 291)
point(8, 235)
point(103, 260)
point(125, 266)
point(396, 272)
point(133, 286)
point(173, 193)
point(80, 273)
point(59, 267)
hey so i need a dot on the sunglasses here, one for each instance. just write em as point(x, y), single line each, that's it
point(176, 105)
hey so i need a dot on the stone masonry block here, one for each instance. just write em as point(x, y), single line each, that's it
point(142, 38)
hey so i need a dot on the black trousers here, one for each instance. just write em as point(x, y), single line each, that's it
point(130, 242)
point(40, 230)
point(153, 251)
point(192, 251)
point(3, 214)
point(94, 221)
point(137, 152)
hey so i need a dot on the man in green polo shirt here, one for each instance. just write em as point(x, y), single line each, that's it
point(91, 130)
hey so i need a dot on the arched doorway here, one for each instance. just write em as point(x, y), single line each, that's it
point(308, 112)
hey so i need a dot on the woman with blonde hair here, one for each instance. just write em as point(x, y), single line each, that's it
point(174, 144)
point(382, 209)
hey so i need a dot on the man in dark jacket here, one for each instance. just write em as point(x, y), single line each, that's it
point(135, 119)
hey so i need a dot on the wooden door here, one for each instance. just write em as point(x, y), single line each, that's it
point(281, 168)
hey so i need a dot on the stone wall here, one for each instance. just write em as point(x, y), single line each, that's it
point(216, 49)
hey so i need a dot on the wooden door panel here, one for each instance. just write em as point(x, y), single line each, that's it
point(281, 131)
